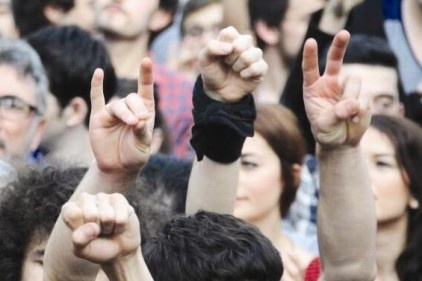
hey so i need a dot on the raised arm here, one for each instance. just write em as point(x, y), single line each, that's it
point(120, 134)
point(346, 211)
point(231, 68)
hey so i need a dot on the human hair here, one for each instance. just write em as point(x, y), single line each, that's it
point(406, 137)
point(24, 59)
point(169, 6)
point(29, 208)
point(160, 192)
point(126, 86)
point(192, 7)
point(368, 50)
point(207, 246)
point(271, 12)
point(279, 127)
point(70, 56)
point(29, 15)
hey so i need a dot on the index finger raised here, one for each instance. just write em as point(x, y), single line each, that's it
point(146, 82)
point(97, 94)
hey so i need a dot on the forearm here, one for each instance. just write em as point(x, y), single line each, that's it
point(59, 261)
point(129, 268)
point(346, 215)
point(212, 187)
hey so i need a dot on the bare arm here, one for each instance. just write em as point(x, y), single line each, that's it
point(231, 67)
point(346, 211)
point(120, 135)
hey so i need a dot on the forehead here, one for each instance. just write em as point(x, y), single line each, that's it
point(376, 80)
point(213, 14)
point(257, 145)
point(376, 142)
point(13, 83)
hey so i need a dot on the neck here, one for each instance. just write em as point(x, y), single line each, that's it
point(271, 227)
point(269, 91)
point(72, 147)
point(412, 21)
point(127, 53)
point(391, 240)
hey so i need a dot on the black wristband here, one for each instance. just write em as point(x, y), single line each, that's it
point(220, 129)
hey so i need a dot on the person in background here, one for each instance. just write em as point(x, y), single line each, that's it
point(70, 55)
point(196, 32)
point(31, 16)
point(129, 27)
point(23, 99)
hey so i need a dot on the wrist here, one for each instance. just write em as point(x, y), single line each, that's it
point(128, 267)
point(112, 180)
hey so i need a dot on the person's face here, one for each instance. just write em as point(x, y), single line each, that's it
point(82, 14)
point(125, 18)
point(379, 85)
point(17, 134)
point(32, 266)
point(7, 23)
point(260, 183)
point(197, 32)
point(55, 123)
point(391, 192)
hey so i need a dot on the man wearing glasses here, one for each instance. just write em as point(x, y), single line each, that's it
point(23, 90)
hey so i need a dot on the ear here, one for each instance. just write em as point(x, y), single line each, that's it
point(413, 203)
point(53, 14)
point(296, 172)
point(75, 112)
point(38, 133)
point(270, 35)
point(160, 19)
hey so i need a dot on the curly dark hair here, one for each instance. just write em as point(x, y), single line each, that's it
point(29, 207)
point(208, 246)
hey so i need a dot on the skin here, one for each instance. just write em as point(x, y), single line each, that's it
point(32, 268)
point(260, 184)
point(15, 136)
point(191, 45)
point(391, 193)
point(379, 85)
point(82, 14)
point(7, 23)
point(125, 18)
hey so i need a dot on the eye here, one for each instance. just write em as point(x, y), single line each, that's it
point(248, 164)
point(383, 164)
point(12, 103)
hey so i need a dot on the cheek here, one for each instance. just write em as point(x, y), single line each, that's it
point(32, 271)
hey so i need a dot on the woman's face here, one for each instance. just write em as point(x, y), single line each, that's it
point(391, 192)
point(260, 183)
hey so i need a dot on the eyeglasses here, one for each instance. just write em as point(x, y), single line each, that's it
point(198, 31)
point(14, 108)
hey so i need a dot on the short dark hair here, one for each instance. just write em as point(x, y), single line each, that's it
point(279, 127)
point(70, 55)
point(29, 15)
point(160, 192)
point(29, 207)
point(191, 7)
point(208, 247)
point(271, 12)
point(369, 50)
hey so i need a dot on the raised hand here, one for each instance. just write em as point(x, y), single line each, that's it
point(104, 227)
point(335, 110)
point(231, 66)
point(121, 131)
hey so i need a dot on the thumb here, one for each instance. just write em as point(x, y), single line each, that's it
point(83, 235)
